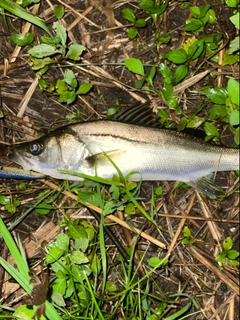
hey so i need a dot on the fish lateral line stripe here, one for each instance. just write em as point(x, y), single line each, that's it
point(116, 136)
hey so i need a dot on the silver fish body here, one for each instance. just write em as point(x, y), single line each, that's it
point(151, 153)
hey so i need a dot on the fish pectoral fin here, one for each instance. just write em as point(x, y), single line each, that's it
point(103, 157)
point(207, 186)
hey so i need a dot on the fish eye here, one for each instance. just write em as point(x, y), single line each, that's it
point(36, 148)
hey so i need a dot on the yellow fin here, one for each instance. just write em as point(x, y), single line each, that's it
point(102, 157)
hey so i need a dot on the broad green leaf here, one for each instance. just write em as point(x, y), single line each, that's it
point(195, 11)
point(78, 257)
point(111, 111)
point(159, 191)
point(233, 91)
point(187, 232)
point(234, 118)
point(53, 254)
point(162, 38)
point(59, 11)
point(109, 207)
point(227, 243)
point(48, 40)
point(167, 91)
point(140, 23)
point(84, 88)
point(150, 8)
point(59, 285)
point(25, 3)
point(43, 50)
point(61, 32)
point(132, 33)
point(165, 70)
point(211, 16)
point(235, 263)
point(41, 63)
point(58, 299)
point(203, 10)
point(130, 209)
point(208, 38)
point(193, 24)
point(70, 78)
point(81, 244)
point(111, 287)
point(135, 66)
point(75, 51)
point(195, 122)
point(232, 3)
point(43, 208)
point(180, 73)
point(235, 20)
point(80, 272)
point(172, 102)
point(204, 21)
point(147, 6)
point(21, 40)
point(233, 254)
point(216, 95)
point(128, 14)
point(198, 49)
point(61, 86)
point(182, 124)
point(210, 129)
point(229, 59)
point(154, 261)
point(24, 312)
point(68, 97)
point(62, 241)
point(234, 45)
point(77, 232)
point(177, 56)
point(163, 114)
point(218, 112)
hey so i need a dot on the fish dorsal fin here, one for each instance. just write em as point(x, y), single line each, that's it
point(140, 114)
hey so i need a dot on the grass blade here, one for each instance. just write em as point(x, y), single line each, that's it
point(22, 267)
point(23, 14)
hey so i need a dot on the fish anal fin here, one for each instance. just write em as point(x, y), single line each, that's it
point(101, 158)
point(208, 186)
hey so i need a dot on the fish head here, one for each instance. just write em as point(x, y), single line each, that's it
point(59, 150)
point(36, 155)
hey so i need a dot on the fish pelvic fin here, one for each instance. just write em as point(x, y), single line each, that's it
point(208, 186)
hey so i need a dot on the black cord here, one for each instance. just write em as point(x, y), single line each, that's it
point(112, 237)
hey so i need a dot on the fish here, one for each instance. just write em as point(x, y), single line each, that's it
point(132, 142)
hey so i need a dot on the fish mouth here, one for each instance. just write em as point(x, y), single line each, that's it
point(24, 162)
